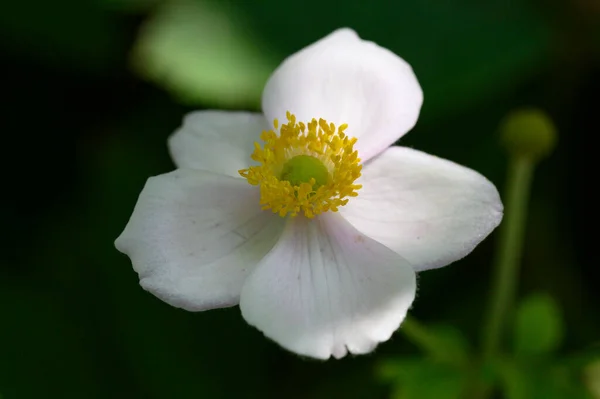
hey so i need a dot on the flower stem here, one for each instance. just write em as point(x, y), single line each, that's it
point(510, 245)
point(430, 342)
point(419, 335)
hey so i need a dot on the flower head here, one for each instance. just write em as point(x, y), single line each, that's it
point(313, 226)
point(306, 167)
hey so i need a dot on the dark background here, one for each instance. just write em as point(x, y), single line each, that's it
point(92, 89)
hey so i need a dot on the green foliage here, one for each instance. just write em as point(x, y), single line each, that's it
point(455, 347)
point(418, 378)
point(441, 343)
point(524, 375)
point(541, 380)
point(202, 55)
point(442, 374)
point(538, 327)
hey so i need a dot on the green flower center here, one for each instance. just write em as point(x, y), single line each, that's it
point(302, 168)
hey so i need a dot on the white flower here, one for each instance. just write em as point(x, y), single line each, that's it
point(339, 276)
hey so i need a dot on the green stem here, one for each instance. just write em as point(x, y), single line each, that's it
point(510, 245)
point(430, 342)
point(419, 335)
point(506, 264)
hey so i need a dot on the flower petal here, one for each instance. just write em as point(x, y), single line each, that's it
point(195, 236)
point(217, 141)
point(326, 289)
point(344, 79)
point(429, 210)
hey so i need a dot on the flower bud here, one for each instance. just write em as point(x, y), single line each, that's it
point(529, 133)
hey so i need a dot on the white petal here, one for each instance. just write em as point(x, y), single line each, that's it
point(195, 236)
point(429, 210)
point(326, 289)
point(344, 79)
point(217, 141)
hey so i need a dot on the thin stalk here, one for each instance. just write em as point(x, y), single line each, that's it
point(508, 256)
point(431, 343)
point(419, 335)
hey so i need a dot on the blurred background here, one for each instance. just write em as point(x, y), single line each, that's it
point(93, 88)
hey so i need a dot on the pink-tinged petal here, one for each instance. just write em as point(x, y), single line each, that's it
point(195, 236)
point(217, 141)
point(429, 210)
point(345, 79)
point(327, 290)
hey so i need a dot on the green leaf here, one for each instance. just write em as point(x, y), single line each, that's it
point(423, 378)
point(516, 384)
point(202, 55)
point(538, 326)
point(538, 380)
point(456, 344)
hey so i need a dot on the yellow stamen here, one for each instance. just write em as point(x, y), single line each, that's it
point(309, 191)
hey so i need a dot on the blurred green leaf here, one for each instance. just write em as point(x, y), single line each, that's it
point(516, 383)
point(202, 54)
point(535, 380)
point(423, 379)
point(538, 326)
point(457, 346)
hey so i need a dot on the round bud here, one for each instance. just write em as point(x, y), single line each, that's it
point(528, 132)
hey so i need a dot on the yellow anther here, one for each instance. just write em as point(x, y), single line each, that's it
point(309, 193)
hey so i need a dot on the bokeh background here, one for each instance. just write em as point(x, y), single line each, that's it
point(92, 89)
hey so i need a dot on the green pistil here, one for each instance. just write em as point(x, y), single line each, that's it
point(301, 168)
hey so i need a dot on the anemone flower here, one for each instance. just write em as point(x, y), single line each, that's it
point(318, 231)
